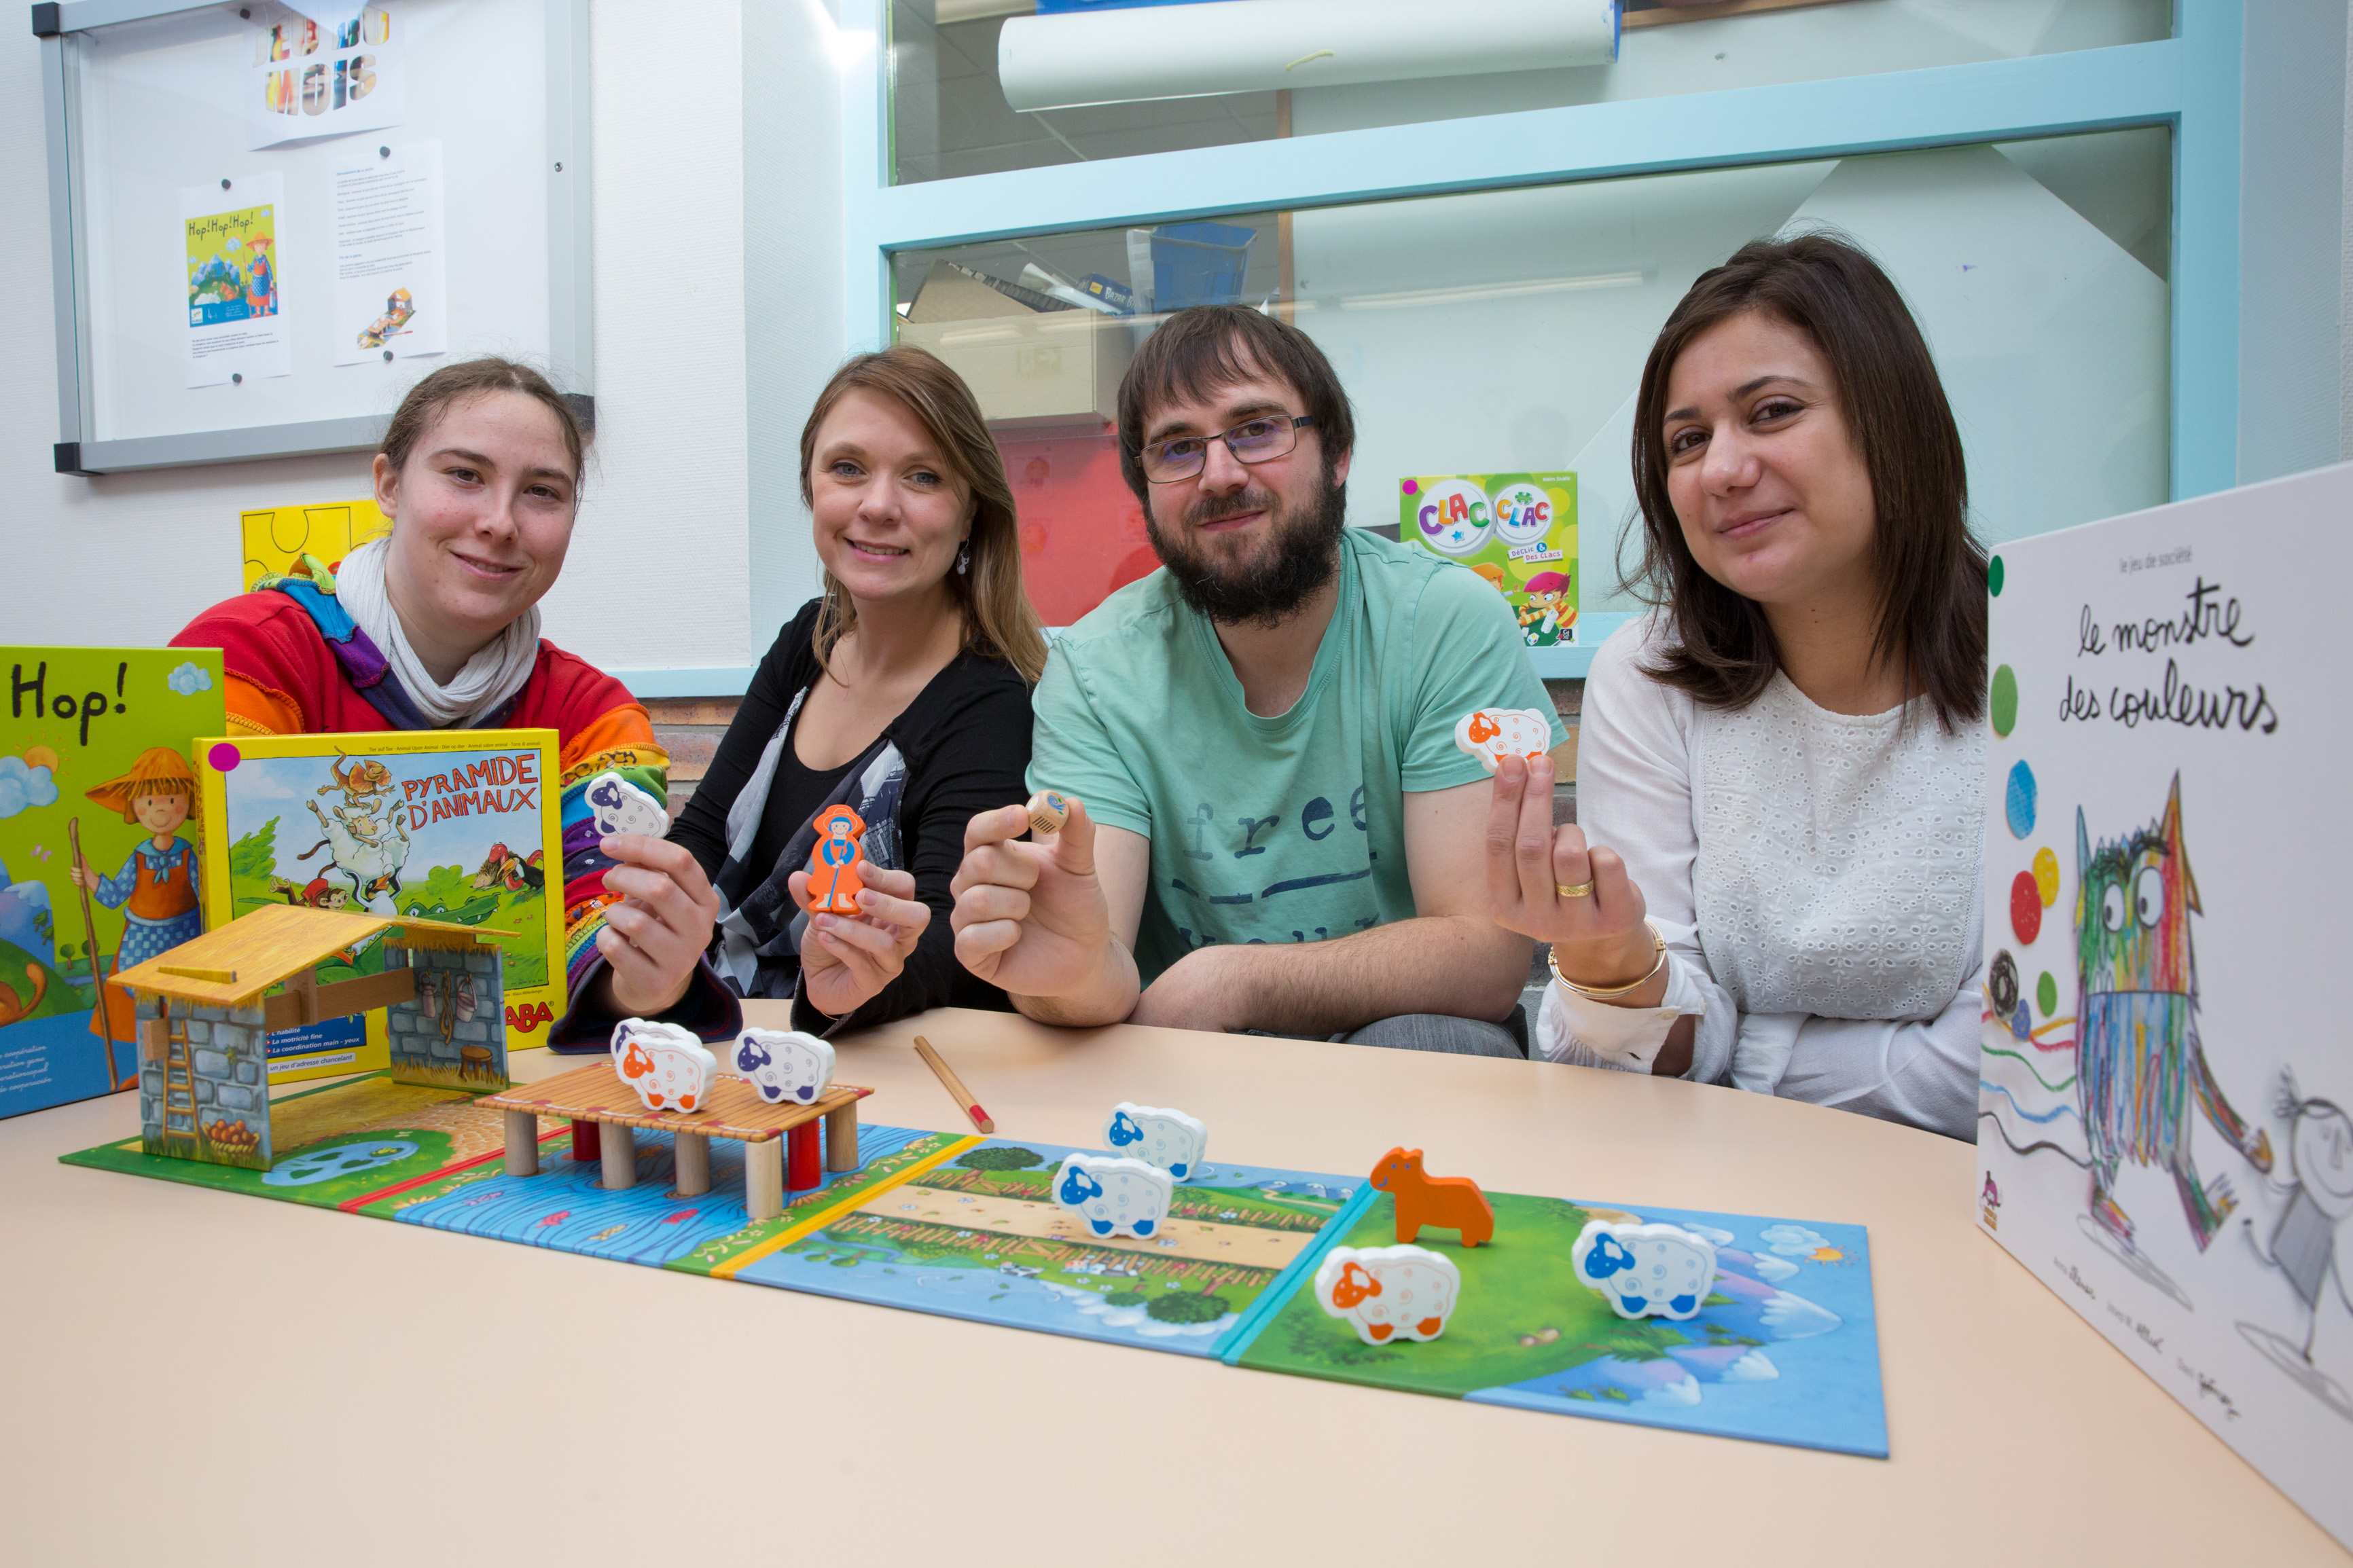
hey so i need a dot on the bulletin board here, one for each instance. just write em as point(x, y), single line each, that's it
point(269, 220)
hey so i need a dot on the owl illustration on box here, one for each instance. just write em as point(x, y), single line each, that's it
point(2140, 1068)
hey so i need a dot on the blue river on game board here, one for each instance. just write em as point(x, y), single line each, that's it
point(886, 1278)
point(566, 1208)
point(1798, 1316)
point(861, 1268)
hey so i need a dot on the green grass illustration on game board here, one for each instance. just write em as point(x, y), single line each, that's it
point(335, 1143)
point(921, 1222)
point(1524, 1313)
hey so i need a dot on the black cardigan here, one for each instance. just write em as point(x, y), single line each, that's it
point(965, 738)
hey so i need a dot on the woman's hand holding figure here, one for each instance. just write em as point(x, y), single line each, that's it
point(847, 960)
point(654, 935)
point(1598, 936)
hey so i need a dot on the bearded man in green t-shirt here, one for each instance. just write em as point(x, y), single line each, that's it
point(1271, 828)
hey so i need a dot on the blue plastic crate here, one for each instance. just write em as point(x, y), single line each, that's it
point(1198, 264)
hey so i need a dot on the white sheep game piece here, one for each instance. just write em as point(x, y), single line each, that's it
point(620, 806)
point(783, 1064)
point(1490, 734)
point(1114, 1196)
point(1645, 1270)
point(669, 1067)
point(1390, 1293)
point(1169, 1139)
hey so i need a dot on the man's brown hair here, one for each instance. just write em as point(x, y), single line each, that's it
point(1205, 347)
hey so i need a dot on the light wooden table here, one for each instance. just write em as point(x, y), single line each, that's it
point(190, 1377)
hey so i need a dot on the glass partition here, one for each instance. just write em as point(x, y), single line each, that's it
point(1505, 331)
point(950, 116)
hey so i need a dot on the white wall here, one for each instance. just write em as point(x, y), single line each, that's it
point(660, 554)
point(661, 575)
point(793, 57)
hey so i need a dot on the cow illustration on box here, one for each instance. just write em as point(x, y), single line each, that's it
point(668, 1067)
point(1645, 1270)
point(1168, 1139)
point(782, 1065)
point(1390, 1293)
point(1115, 1197)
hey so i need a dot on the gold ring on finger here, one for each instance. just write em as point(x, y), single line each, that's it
point(1578, 891)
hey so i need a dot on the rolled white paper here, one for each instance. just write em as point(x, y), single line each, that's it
point(1068, 59)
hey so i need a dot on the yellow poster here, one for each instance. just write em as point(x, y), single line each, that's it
point(276, 537)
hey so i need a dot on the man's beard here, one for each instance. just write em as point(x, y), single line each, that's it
point(1302, 558)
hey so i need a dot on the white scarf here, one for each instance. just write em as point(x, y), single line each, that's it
point(496, 672)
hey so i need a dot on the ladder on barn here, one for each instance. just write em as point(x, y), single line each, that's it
point(179, 1076)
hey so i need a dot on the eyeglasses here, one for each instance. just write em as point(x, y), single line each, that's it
point(1251, 441)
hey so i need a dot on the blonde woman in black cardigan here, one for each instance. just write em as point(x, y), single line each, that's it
point(903, 692)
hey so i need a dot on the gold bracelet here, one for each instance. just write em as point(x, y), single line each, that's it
point(1610, 992)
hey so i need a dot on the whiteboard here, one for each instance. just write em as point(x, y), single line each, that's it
point(143, 108)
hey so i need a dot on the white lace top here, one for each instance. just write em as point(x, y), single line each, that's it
point(1819, 882)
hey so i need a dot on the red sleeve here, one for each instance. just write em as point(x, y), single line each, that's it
point(271, 649)
point(587, 707)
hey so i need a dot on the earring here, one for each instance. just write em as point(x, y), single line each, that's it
point(964, 558)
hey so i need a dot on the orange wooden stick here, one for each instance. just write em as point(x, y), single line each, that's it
point(954, 1085)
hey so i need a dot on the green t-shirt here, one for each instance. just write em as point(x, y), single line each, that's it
point(1291, 828)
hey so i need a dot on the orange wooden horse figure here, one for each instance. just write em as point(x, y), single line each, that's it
point(1451, 1203)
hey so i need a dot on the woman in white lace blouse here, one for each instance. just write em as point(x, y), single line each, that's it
point(1777, 880)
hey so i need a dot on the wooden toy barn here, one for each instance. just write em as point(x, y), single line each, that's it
point(203, 1071)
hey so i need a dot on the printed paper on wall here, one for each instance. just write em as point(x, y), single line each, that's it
point(322, 70)
point(235, 306)
point(392, 297)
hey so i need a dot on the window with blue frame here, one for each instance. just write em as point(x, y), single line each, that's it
point(951, 115)
point(1486, 256)
point(1503, 333)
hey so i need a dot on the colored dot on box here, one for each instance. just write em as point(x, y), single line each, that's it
point(1411, 488)
point(2026, 908)
point(2018, 801)
point(2003, 703)
point(224, 758)
point(1993, 576)
point(2046, 994)
point(2046, 874)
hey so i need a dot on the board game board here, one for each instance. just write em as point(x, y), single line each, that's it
point(1761, 1361)
point(1784, 1350)
point(979, 1236)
